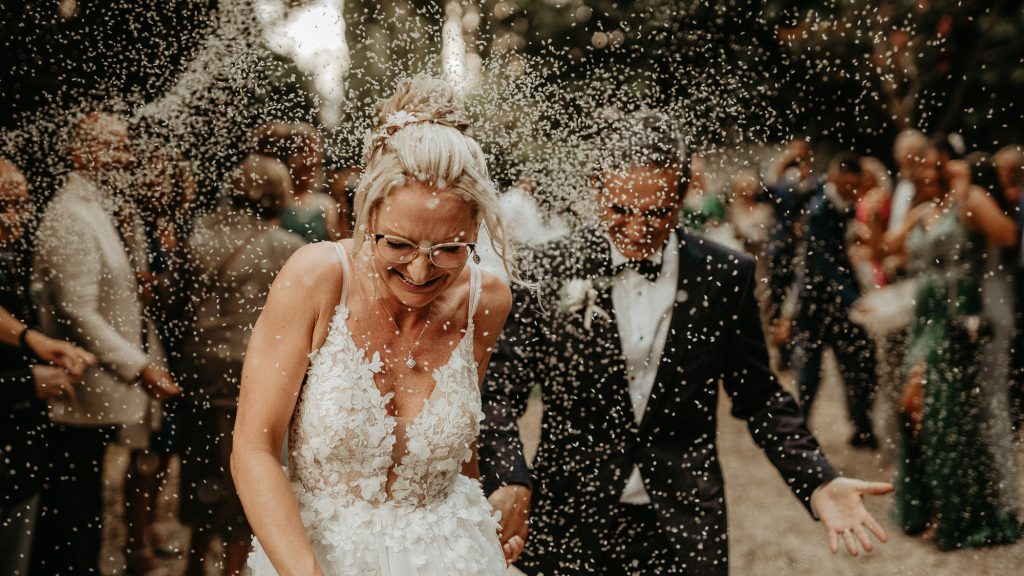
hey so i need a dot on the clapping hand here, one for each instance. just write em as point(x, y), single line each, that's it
point(53, 382)
point(840, 507)
point(959, 174)
point(158, 383)
point(59, 353)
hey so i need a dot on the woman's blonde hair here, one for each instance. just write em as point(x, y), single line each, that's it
point(419, 134)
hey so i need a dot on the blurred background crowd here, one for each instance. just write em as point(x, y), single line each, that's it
point(132, 251)
point(911, 278)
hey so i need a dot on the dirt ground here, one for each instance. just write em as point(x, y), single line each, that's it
point(770, 533)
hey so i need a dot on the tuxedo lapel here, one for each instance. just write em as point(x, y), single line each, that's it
point(604, 355)
point(687, 314)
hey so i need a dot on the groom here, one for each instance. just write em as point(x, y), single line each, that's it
point(636, 324)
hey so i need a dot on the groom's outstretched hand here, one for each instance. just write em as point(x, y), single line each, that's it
point(513, 502)
point(840, 507)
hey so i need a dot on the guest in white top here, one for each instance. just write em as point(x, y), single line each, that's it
point(85, 277)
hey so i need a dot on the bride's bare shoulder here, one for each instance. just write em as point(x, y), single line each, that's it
point(312, 271)
point(495, 301)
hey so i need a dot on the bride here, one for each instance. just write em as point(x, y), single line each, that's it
point(370, 353)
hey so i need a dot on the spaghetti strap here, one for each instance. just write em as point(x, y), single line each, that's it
point(344, 274)
point(474, 290)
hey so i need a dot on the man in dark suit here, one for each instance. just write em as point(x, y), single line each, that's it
point(635, 325)
point(788, 196)
point(826, 289)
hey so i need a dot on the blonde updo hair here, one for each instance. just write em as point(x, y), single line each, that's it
point(420, 134)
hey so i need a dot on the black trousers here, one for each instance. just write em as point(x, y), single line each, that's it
point(855, 354)
point(634, 544)
point(70, 522)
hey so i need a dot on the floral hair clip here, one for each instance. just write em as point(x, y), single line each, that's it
point(375, 140)
point(393, 123)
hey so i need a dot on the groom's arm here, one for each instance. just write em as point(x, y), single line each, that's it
point(773, 416)
point(515, 367)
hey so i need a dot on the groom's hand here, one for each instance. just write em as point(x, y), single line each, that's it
point(840, 507)
point(513, 501)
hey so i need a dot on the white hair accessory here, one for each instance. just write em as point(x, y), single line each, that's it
point(400, 119)
point(394, 122)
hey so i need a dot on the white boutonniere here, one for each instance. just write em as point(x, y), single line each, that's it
point(580, 294)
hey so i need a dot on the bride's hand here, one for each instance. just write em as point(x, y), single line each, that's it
point(512, 549)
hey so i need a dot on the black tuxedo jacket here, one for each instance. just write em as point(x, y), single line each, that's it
point(826, 287)
point(589, 439)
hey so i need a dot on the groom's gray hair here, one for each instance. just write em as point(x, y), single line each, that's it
point(643, 137)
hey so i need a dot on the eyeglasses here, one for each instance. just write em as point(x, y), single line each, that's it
point(398, 250)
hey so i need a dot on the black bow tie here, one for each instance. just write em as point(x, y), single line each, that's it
point(646, 268)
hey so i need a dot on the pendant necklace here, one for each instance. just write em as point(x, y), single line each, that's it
point(409, 360)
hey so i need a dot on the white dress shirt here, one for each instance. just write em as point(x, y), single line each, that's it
point(643, 311)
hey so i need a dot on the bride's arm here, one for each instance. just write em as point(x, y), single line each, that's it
point(495, 304)
point(275, 364)
point(491, 314)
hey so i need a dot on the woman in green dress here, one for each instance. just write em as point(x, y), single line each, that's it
point(947, 485)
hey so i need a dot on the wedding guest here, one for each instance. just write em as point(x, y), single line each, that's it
point(998, 308)
point(341, 184)
point(750, 218)
point(235, 253)
point(33, 369)
point(271, 139)
point(1009, 162)
point(906, 151)
point(628, 355)
point(310, 212)
point(702, 209)
point(167, 191)
point(948, 484)
point(88, 249)
point(871, 218)
point(873, 268)
point(825, 291)
point(789, 194)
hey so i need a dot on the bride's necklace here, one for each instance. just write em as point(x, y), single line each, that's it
point(409, 360)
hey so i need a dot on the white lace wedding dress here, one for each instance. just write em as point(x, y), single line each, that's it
point(343, 444)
